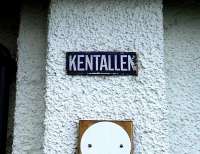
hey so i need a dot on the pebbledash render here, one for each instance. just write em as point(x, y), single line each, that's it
point(50, 103)
point(106, 25)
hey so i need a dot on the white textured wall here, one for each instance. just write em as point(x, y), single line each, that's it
point(182, 50)
point(29, 110)
point(106, 25)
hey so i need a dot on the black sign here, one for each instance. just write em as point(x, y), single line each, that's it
point(101, 63)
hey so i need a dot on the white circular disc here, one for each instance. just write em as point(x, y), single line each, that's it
point(105, 138)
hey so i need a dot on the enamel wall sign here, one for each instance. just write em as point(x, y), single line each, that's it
point(101, 63)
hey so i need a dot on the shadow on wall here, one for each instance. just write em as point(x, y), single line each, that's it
point(9, 17)
point(7, 86)
point(182, 63)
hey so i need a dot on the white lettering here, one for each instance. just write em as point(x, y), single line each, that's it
point(109, 63)
point(72, 62)
point(88, 62)
point(123, 62)
point(130, 63)
point(97, 64)
point(80, 62)
point(103, 63)
point(116, 69)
